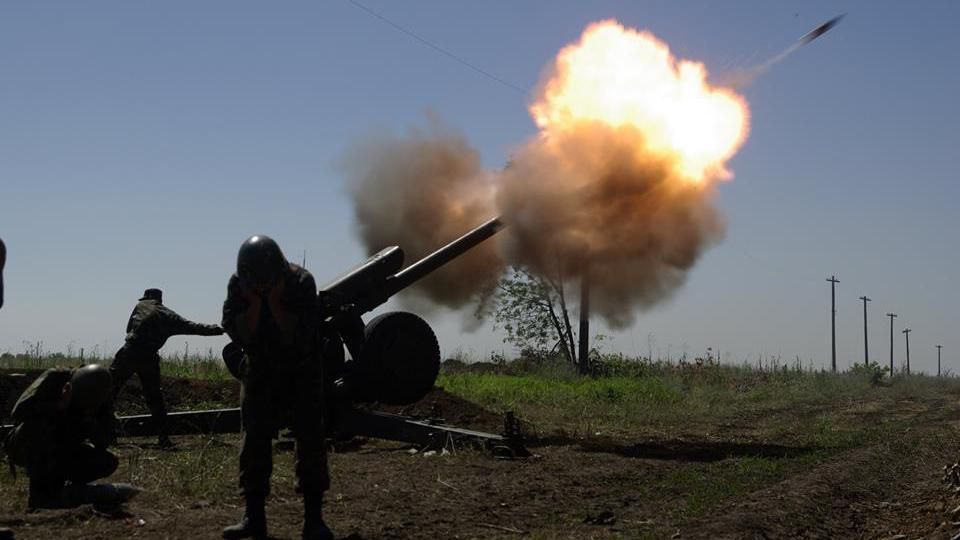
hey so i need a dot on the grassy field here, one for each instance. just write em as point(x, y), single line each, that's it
point(661, 446)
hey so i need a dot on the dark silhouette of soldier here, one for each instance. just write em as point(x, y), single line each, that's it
point(149, 327)
point(270, 312)
point(54, 419)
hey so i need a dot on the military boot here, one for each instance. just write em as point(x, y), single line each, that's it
point(313, 526)
point(254, 522)
point(164, 442)
point(42, 497)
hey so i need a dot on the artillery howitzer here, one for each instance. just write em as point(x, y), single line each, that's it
point(394, 358)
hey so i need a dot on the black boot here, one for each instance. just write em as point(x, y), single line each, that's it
point(164, 442)
point(253, 524)
point(42, 496)
point(313, 526)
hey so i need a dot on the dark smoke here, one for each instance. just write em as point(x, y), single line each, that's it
point(420, 192)
point(589, 196)
point(593, 197)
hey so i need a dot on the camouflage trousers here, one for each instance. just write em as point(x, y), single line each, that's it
point(50, 470)
point(270, 401)
point(146, 365)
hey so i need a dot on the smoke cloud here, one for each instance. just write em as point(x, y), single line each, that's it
point(618, 185)
point(594, 199)
point(419, 192)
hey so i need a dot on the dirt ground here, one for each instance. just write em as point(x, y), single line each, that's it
point(720, 481)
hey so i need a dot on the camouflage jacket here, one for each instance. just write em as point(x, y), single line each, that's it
point(42, 428)
point(298, 339)
point(152, 323)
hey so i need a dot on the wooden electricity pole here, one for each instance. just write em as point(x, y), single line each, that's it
point(892, 316)
point(866, 350)
point(938, 359)
point(584, 323)
point(906, 332)
point(833, 320)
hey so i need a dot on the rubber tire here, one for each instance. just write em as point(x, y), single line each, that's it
point(400, 360)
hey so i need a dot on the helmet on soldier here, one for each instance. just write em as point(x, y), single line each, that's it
point(90, 387)
point(260, 263)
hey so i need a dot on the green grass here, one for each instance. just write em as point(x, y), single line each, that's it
point(206, 366)
point(821, 414)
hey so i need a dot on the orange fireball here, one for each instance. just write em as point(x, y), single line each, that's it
point(622, 77)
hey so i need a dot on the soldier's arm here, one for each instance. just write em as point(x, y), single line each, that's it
point(241, 313)
point(177, 325)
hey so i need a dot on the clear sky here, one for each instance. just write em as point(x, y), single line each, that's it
point(140, 143)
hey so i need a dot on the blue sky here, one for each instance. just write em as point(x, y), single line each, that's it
point(141, 143)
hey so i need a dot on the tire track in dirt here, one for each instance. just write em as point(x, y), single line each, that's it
point(883, 490)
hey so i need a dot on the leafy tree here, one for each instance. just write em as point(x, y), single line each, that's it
point(533, 312)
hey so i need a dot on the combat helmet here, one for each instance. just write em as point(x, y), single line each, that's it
point(90, 387)
point(260, 262)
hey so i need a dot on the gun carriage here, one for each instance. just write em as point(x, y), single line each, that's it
point(394, 359)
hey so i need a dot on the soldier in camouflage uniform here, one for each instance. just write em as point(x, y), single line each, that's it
point(53, 420)
point(270, 312)
point(149, 327)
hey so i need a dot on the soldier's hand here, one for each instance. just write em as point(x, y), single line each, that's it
point(251, 296)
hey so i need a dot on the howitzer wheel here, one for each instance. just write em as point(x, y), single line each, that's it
point(400, 360)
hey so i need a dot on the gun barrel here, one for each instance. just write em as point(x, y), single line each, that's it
point(420, 269)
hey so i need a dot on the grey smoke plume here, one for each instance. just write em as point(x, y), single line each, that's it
point(419, 192)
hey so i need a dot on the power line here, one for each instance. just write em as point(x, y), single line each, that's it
point(437, 48)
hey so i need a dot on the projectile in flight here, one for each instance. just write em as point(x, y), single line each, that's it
point(821, 30)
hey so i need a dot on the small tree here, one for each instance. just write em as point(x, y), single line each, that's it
point(533, 311)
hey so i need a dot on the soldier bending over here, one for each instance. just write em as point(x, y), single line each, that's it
point(270, 312)
point(54, 419)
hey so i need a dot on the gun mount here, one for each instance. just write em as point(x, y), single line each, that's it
point(395, 358)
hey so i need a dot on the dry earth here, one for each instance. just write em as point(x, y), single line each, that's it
point(719, 481)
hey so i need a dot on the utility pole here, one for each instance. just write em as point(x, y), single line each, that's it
point(866, 350)
point(892, 316)
point(938, 359)
point(833, 320)
point(584, 367)
point(906, 332)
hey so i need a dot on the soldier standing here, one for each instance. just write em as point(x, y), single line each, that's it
point(270, 312)
point(149, 327)
point(53, 420)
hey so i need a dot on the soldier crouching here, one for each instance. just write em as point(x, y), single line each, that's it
point(63, 425)
point(270, 312)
